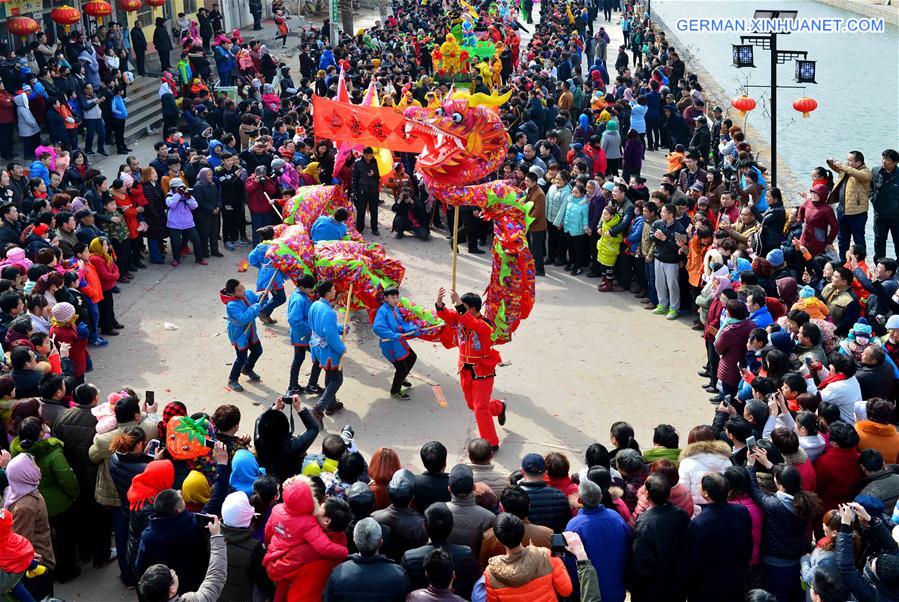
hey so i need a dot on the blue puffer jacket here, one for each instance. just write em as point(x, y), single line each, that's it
point(325, 342)
point(634, 235)
point(242, 312)
point(574, 218)
point(390, 326)
point(257, 259)
point(298, 317)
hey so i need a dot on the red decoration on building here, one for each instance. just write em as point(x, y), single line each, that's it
point(155, 3)
point(65, 15)
point(22, 26)
point(805, 105)
point(97, 9)
point(129, 5)
point(743, 104)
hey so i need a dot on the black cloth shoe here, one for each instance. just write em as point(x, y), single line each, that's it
point(501, 418)
point(251, 374)
point(477, 251)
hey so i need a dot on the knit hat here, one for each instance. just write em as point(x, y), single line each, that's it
point(807, 292)
point(127, 179)
point(861, 330)
point(237, 511)
point(610, 186)
point(782, 341)
point(41, 229)
point(196, 489)
point(278, 164)
point(872, 506)
point(775, 257)
point(63, 312)
point(893, 322)
point(888, 569)
point(176, 183)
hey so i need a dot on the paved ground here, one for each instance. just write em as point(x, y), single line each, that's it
point(580, 362)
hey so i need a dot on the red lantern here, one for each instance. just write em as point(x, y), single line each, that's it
point(97, 9)
point(805, 105)
point(22, 26)
point(155, 3)
point(743, 104)
point(65, 15)
point(129, 5)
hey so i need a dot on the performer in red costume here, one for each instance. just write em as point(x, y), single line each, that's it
point(471, 332)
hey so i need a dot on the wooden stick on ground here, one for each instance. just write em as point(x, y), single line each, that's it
point(455, 242)
point(346, 314)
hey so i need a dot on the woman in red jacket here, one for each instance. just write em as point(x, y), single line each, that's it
point(7, 123)
point(103, 260)
point(137, 202)
point(837, 470)
point(62, 328)
point(712, 325)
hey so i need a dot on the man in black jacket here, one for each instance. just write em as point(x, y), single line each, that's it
point(365, 189)
point(659, 546)
point(879, 481)
point(11, 230)
point(139, 45)
point(163, 44)
point(719, 545)
point(230, 177)
point(368, 571)
point(548, 505)
point(433, 484)
point(76, 428)
point(439, 525)
point(407, 526)
point(208, 212)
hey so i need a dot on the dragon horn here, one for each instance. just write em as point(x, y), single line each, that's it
point(489, 100)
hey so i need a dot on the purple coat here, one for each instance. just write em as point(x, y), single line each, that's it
point(731, 346)
point(180, 215)
point(632, 156)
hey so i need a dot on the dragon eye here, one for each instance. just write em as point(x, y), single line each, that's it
point(438, 112)
point(457, 117)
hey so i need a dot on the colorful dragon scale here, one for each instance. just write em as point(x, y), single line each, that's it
point(461, 143)
point(352, 260)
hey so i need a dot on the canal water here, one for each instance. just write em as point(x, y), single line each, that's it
point(857, 89)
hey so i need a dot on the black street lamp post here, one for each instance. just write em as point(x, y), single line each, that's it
point(805, 70)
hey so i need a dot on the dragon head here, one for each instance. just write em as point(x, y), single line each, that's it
point(464, 139)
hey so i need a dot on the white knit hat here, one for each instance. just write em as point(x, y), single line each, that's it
point(63, 312)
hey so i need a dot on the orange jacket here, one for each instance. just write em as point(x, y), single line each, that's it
point(531, 575)
point(882, 437)
point(92, 287)
point(473, 338)
point(695, 261)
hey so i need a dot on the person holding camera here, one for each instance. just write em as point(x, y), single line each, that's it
point(260, 188)
point(180, 221)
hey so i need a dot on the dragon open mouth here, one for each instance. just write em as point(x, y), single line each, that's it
point(440, 145)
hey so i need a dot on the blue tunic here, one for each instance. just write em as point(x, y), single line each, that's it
point(389, 326)
point(324, 342)
point(257, 259)
point(242, 313)
point(327, 228)
point(298, 317)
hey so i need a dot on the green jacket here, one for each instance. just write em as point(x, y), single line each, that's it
point(58, 485)
point(661, 453)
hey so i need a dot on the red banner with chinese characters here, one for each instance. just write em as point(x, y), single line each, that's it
point(382, 127)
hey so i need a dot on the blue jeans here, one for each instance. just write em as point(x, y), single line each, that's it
point(650, 267)
point(275, 299)
point(155, 247)
point(783, 582)
point(120, 520)
point(95, 317)
point(258, 220)
point(246, 358)
point(94, 126)
point(851, 227)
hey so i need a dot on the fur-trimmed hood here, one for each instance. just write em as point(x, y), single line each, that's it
point(706, 447)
